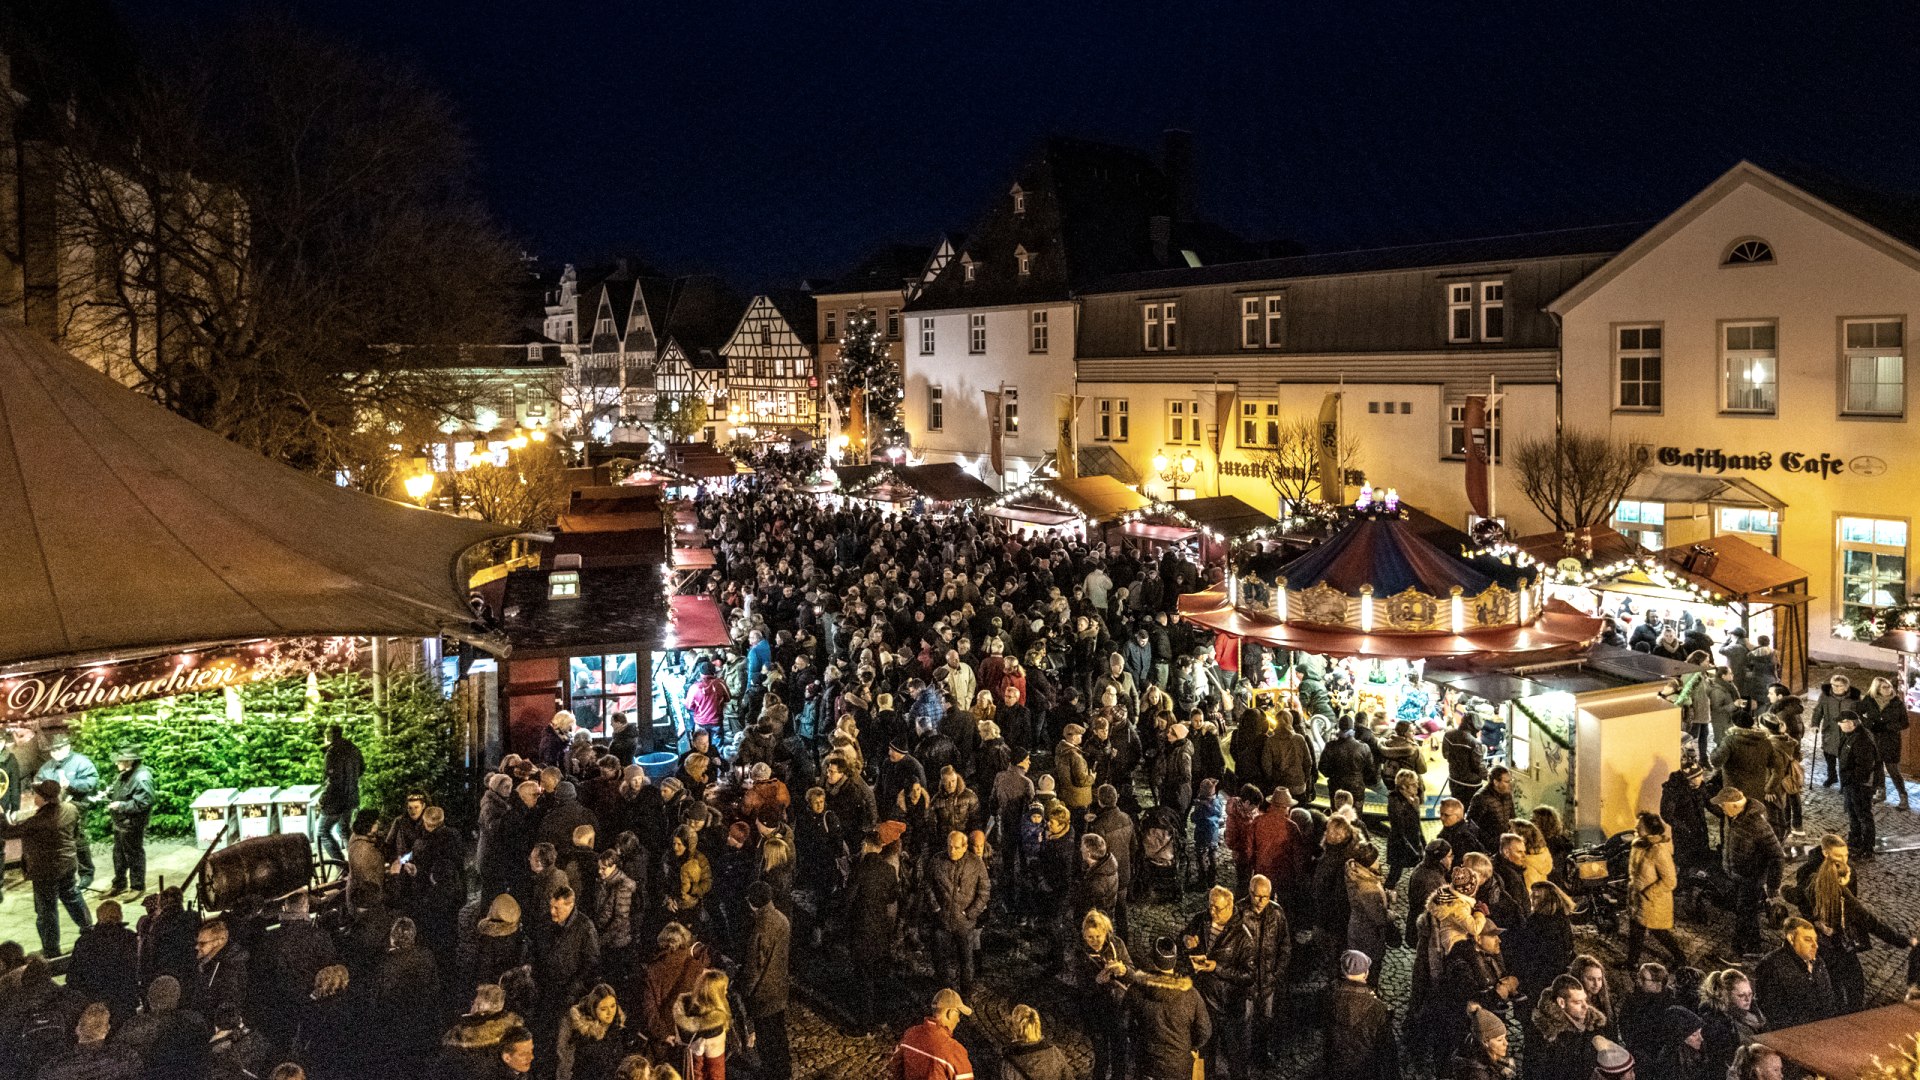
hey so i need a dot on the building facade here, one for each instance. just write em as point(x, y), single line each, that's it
point(773, 374)
point(998, 316)
point(1202, 380)
point(1755, 343)
point(878, 289)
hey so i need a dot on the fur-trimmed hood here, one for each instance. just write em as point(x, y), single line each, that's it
point(590, 1027)
point(479, 1031)
point(695, 1023)
point(1171, 984)
point(1552, 1022)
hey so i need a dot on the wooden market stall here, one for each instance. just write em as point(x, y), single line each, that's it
point(1215, 524)
point(1086, 506)
point(1845, 1046)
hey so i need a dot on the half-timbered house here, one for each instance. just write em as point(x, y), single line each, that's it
point(773, 380)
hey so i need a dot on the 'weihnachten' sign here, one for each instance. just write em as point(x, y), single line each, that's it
point(47, 694)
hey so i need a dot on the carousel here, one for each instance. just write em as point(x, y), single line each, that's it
point(1379, 623)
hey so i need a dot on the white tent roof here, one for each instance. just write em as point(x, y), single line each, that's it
point(126, 528)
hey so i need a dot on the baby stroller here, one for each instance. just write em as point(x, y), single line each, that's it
point(1598, 876)
point(1163, 853)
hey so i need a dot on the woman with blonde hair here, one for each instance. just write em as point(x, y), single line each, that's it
point(1883, 713)
point(702, 1018)
point(638, 1067)
point(1030, 1056)
point(1538, 861)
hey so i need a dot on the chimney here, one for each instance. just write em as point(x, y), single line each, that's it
point(1160, 235)
point(1176, 162)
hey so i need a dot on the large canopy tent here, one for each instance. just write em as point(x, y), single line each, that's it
point(132, 531)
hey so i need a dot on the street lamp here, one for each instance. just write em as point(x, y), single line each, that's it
point(1176, 474)
point(419, 486)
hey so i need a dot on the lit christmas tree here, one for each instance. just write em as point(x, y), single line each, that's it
point(866, 367)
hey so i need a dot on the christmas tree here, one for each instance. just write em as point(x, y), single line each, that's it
point(866, 367)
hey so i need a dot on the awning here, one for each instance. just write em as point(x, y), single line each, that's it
point(1047, 517)
point(1559, 628)
point(1696, 488)
point(696, 624)
point(1098, 498)
point(1846, 1045)
point(129, 529)
point(944, 482)
point(1223, 514)
point(1165, 534)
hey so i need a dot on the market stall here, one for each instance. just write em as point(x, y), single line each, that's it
point(1084, 507)
point(1214, 525)
point(1379, 622)
point(1847, 1046)
point(935, 489)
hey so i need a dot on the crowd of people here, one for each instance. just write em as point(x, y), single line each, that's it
point(933, 740)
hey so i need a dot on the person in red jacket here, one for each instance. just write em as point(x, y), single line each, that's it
point(928, 1050)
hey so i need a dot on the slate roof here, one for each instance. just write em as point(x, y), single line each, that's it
point(797, 307)
point(1895, 213)
point(701, 315)
point(888, 268)
point(1589, 240)
point(1089, 211)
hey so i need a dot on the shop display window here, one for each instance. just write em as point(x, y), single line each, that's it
point(600, 686)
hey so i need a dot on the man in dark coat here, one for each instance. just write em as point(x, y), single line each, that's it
point(1753, 859)
point(1466, 759)
point(763, 984)
point(339, 792)
point(1169, 1018)
point(565, 813)
point(220, 974)
point(1836, 697)
point(1217, 948)
point(1491, 811)
point(1791, 985)
point(958, 890)
point(1683, 805)
point(48, 861)
point(129, 804)
point(1460, 834)
point(1272, 947)
point(79, 781)
point(1359, 1043)
point(1348, 765)
point(566, 953)
point(1858, 760)
point(106, 963)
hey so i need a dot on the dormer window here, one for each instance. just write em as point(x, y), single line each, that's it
point(1019, 200)
point(966, 268)
point(1750, 252)
point(1023, 260)
point(563, 585)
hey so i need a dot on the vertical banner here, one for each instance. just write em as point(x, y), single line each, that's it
point(1067, 451)
point(994, 417)
point(1333, 481)
point(1223, 405)
point(857, 422)
point(1475, 423)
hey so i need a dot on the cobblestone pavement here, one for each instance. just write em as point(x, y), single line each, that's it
point(1013, 973)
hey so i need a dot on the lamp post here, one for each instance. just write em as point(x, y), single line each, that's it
point(1176, 473)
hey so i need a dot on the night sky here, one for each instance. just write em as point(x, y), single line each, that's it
point(776, 140)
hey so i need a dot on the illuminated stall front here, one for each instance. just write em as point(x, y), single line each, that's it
point(1379, 622)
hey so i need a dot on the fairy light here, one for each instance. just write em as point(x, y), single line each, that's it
point(1366, 609)
point(1459, 605)
point(1280, 599)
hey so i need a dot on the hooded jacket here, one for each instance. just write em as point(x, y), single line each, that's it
point(1557, 1048)
point(1169, 1023)
point(1745, 760)
point(588, 1048)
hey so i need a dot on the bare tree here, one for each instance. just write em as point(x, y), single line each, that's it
point(529, 492)
point(1576, 480)
point(1292, 462)
point(262, 213)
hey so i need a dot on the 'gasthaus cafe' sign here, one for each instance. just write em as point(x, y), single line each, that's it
point(1823, 465)
point(47, 694)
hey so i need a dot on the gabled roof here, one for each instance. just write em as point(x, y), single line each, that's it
point(130, 529)
point(702, 313)
point(797, 308)
point(889, 268)
point(1885, 222)
point(1591, 240)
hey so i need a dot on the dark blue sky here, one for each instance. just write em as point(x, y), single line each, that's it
point(773, 140)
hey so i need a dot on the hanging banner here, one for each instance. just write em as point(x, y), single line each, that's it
point(1067, 452)
point(1223, 405)
point(857, 422)
point(1333, 489)
point(25, 699)
point(1475, 423)
point(993, 431)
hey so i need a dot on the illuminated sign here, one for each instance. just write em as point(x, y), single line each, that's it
point(47, 694)
point(1825, 466)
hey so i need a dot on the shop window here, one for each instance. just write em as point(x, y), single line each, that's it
point(600, 686)
point(1875, 367)
point(1749, 368)
point(1873, 565)
point(1645, 523)
point(1760, 527)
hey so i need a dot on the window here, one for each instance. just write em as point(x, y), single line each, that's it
point(1748, 253)
point(1022, 261)
point(1760, 526)
point(1009, 411)
point(1183, 423)
point(1637, 359)
point(1159, 326)
point(1493, 311)
point(1457, 432)
point(936, 408)
point(1749, 368)
point(563, 585)
point(533, 353)
point(1019, 202)
point(1875, 367)
point(1113, 419)
point(766, 335)
point(1037, 332)
point(1642, 522)
point(1873, 565)
point(600, 686)
point(1460, 312)
point(977, 333)
point(966, 267)
point(1250, 322)
point(1276, 321)
point(604, 327)
point(893, 324)
point(833, 325)
point(1259, 423)
point(1263, 321)
point(926, 337)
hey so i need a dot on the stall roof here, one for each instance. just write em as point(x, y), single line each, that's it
point(852, 476)
point(1695, 488)
point(1743, 570)
point(130, 529)
point(1846, 1045)
point(1608, 546)
point(1223, 514)
point(618, 606)
point(696, 624)
point(944, 481)
point(1097, 499)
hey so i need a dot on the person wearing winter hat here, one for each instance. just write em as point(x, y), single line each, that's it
point(1485, 1054)
point(1359, 1043)
point(1611, 1061)
point(1169, 1019)
point(499, 942)
point(1681, 1053)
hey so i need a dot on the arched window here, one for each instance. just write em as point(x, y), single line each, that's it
point(1749, 252)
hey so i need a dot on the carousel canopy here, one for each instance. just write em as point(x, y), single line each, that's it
point(130, 529)
point(1386, 553)
point(1555, 630)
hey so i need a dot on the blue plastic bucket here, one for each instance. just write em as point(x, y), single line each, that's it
point(659, 766)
